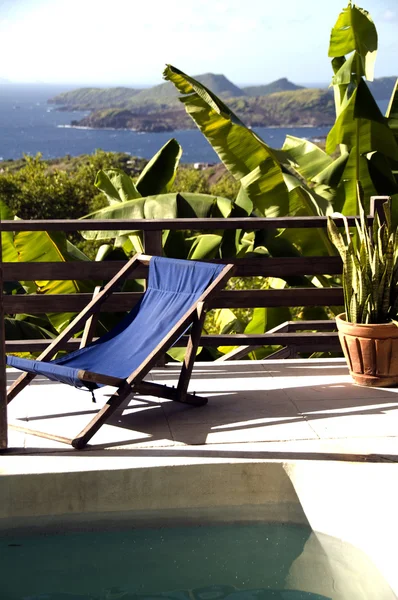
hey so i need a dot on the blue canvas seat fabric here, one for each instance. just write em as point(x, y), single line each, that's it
point(173, 287)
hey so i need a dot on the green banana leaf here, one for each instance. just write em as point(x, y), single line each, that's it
point(205, 246)
point(242, 151)
point(306, 157)
point(75, 253)
point(355, 30)
point(346, 197)
point(163, 206)
point(266, 188)
point(343, 75)
point(340, 87)
point(116, 185)
point(9, 252)
point(226, 321)
point(332, 174)
point(42, 246)
point(361, 120)
point(17, 329)
point(243, 206)
point(311, 242)
point(159, 174)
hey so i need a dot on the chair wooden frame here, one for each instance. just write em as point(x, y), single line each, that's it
point(134, 383)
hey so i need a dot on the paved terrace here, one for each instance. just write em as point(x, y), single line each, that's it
point(288, 409)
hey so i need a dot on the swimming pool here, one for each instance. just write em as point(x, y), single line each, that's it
point(213, 561)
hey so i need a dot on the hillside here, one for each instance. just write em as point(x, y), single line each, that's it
point(301, 107)
point(164, 93)
point(167, 119)
point(282, 109)
point(94, 98)
point(130, 98)
point(218, 84)
point(280, 85)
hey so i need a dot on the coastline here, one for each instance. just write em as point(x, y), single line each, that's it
point(101, 128)
point(142, 131)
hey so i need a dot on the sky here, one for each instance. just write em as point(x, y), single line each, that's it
point(128, 42)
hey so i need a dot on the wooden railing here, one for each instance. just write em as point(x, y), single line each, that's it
point(289, 335)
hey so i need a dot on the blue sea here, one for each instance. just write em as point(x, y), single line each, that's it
point(28, 125)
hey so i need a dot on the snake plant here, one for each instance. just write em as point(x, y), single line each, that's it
point(370, 267)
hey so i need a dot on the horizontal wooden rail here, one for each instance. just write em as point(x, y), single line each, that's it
point(275, 298)
point(313, 325)
point(245, 267)
point(191, 224)
point(124, 301)
point(323, 340)
point(82, 270)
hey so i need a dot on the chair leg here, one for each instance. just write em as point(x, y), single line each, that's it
point(192, 347)
point(102, 416)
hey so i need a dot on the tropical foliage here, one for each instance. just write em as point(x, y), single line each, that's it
point(302, 178)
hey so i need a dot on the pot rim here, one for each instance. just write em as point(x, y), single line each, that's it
point(342, 317)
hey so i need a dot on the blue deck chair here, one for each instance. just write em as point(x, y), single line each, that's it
point(176, 298)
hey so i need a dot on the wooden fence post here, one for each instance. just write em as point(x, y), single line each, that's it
point(3, 375)
point(153, 243)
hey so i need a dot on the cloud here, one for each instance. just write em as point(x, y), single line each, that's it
point(389, 15)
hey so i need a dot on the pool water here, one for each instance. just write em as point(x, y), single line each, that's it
point(212, 562)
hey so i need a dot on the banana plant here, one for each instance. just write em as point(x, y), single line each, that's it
point(271, 186)
point(260, 169)
point(365, 138)
point(360, 130)
point(301, 178)
point(150, 198)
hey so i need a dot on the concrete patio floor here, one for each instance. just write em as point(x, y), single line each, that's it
point(258, 409)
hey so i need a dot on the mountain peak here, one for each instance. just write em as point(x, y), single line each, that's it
point(279, 85)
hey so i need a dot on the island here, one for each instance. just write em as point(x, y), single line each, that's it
point(277, 104)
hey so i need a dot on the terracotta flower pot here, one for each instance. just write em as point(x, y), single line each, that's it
point(371, 351)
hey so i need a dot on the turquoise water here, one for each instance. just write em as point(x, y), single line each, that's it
point(231, 562)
